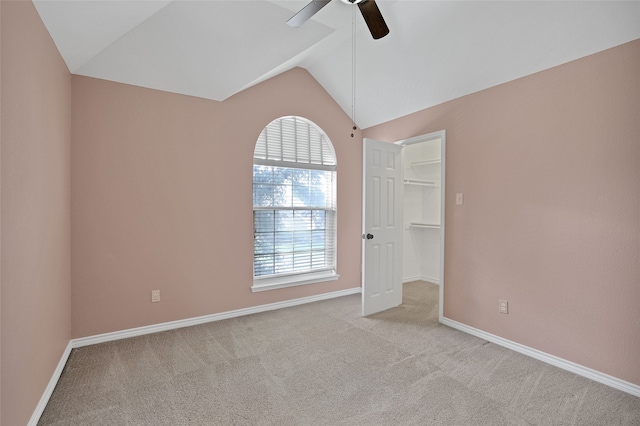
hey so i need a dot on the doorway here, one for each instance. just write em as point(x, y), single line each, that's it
point(423, 234)
point(419, 235)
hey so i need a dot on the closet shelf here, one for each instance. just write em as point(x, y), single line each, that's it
point(420, 182)
point(426, 162)
point(424, 225)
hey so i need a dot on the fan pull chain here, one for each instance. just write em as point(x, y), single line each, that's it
point(353, 69)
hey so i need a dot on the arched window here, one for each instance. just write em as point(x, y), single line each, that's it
point(294, 205)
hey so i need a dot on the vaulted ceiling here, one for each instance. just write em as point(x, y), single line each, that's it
point(436, 50)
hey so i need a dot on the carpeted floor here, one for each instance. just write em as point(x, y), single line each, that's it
point(324, 364)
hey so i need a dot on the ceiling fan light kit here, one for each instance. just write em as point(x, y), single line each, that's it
point(368, 8)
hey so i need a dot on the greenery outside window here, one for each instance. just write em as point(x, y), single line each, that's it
point(294, 205)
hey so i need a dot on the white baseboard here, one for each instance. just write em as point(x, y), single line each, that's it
point(547, 358)
point(139, 331)
point(35, 417)
point(172, 325)
point(421, 278)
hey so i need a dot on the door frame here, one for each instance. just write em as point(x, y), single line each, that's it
point(441, 134)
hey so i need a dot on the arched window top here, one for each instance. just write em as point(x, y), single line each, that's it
point(295, 140)
point(294, 205)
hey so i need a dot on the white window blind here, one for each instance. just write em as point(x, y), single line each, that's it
point(294, 201)
point(294, 140)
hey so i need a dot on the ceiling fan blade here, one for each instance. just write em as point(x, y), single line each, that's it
point(373, 18)
point(307, 12)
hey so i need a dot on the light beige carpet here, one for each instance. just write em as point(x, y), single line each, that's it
point(324, 364)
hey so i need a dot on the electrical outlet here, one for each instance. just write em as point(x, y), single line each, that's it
point(503, 306)
point(155, 296)
point(459, 198)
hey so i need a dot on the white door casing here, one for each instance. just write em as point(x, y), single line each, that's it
point(423, 138)
point(383, 193)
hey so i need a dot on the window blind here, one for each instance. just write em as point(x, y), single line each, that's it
point(294, 220)
point(294, 200)
point(294, 140)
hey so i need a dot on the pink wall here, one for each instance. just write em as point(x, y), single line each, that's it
point(35, 181)
point(549, 166)
point(161, 199)
point(0, 213)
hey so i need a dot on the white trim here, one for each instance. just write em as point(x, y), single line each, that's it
point(580, 370)
point(262, 284)
point(421, 278)
point(48, 391)
point(172, 325)
point(442, 134)
point(432, 280)
point(443, 199)
point(294, 165)
point(139, 331)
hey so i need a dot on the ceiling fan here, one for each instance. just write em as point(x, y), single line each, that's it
point(368, 8)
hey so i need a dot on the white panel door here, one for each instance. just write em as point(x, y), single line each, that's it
point(382, 227)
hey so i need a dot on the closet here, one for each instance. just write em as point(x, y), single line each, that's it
point(422, 210)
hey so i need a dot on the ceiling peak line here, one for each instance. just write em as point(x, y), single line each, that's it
point(353, 70)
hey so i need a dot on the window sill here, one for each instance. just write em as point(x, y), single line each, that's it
point(290, 281)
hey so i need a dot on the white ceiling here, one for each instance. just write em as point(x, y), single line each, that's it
point(436, 50)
